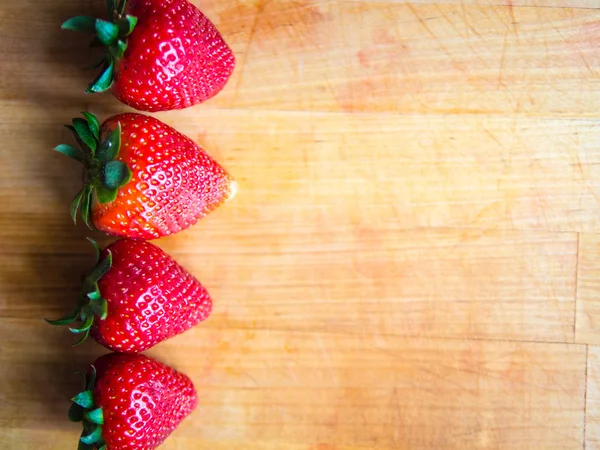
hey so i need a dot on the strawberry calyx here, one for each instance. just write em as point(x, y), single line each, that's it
point(104, 174)
point(84, 410)
point(111, 33)
point(91, 303)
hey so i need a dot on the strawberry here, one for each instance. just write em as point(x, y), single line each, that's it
point(161, 54)
point(131, 402)
point(135, 297)
point(143, 179)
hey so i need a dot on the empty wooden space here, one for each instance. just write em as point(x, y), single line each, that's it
point(412, 260)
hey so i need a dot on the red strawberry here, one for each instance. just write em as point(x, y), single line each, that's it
point(131, 402)
point(143, 179)
point(161, 54)
point(136, 297)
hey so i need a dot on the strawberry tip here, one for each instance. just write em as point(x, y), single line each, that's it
point(233, 189)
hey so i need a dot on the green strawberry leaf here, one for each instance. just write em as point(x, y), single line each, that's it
point(117, 51)
point(83, 130)
point(86, 206)
point(108, 32)
point(84, 399)
point(100, 61)
point(95, 294)
point(94, 436)
point(101, 269)
point(95, 416)
point(70, 151)
point(76, 413)
point(127, 25)
point(96, 250)
point(83, 446)
point(109, 149)
point(116, 174)
point(75, 204)
point(85, 327)
point(93, 124)
point(81, 23)
point(105, 194)
point(84, 147)
point(104, 81)
point(83, 338)
point(100, 307)
point(66, 319)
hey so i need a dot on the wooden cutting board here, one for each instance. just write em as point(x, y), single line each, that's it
point(412, 260)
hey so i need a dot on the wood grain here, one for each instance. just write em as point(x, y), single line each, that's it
point(592, 416)
point(409, 170)
point(411, 260)
point(587, 4)
point(588, 290)
point(423, 283)
point(302, 390)
point(423, 58)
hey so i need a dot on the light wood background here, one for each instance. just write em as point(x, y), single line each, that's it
point(413, 259)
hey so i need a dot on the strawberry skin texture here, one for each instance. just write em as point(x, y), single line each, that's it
point(150, 298)
point(175, 57)
point(174, 181)
point(142, 400)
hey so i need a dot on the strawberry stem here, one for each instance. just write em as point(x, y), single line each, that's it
point(91, 304)
point(83, 409)
point(104, 174)
point(111, 33)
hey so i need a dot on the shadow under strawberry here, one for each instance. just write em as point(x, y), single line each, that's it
point(50, 253)
point(53, 383)
point(49, 256)
point(65, 259)
point(46, 369)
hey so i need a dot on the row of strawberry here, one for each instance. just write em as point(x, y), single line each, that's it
point(143, 180)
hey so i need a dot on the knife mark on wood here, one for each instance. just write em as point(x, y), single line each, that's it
point(502, 62)
point(511, 11)
point(585, 44)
